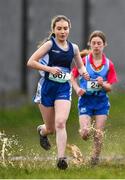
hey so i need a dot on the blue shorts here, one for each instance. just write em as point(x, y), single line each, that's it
point(93, 105)
point(50, 91)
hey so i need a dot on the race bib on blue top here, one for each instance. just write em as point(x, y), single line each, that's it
point(62, 77)
point(93, 85)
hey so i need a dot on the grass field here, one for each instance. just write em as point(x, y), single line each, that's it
point(22, 157)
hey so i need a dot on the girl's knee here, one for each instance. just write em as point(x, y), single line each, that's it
point(99, 134)
point(60, 125)
point(84, 133)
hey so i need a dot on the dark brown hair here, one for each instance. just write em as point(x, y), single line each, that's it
point(97, 33)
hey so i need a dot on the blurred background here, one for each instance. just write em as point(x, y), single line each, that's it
point(23, 23)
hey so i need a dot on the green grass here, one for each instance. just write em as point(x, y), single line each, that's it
point(101, 172)
point(20, 125)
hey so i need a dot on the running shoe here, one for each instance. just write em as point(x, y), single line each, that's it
point(44, 142)
point(62, 163)
point(94, 161)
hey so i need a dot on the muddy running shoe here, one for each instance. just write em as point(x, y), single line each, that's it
point(44, 142)
point(94, 161)
point(62, 163)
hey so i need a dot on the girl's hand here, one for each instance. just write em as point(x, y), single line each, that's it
point(80, 91)
point(55, 70)
point(100, 80)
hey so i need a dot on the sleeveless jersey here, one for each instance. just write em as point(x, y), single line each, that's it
point(92, 87)
point(59, 57)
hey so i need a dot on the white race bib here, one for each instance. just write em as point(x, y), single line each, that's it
point(93, 85)
point(61, 78)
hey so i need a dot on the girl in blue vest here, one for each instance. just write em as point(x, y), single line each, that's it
point(93, 98)
point(55, 92)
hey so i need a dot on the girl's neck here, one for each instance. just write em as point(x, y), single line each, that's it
point(97, 60)
point(62, 44)
point(97, 57)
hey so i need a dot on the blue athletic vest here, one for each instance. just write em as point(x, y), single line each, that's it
point(93, 75)
point(59, 57)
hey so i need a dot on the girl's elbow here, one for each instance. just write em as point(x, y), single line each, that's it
point(109, 89)
point(29, 64)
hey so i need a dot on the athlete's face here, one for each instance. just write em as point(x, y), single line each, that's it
point(97, 45)
point(61, 30)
